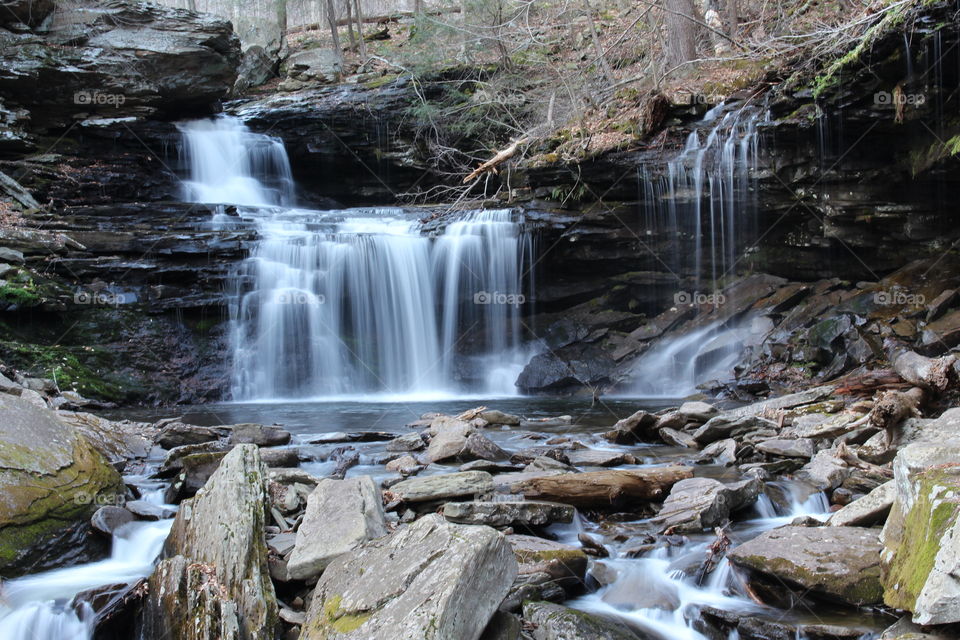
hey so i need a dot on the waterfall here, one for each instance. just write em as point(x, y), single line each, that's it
point(359, 301)
point(707, 200)
point(231, 165)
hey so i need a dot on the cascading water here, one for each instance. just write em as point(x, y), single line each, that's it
point(707, 197)
point(353, 302)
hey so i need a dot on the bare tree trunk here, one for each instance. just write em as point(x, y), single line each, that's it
point(418, 7)
point(681, 24)
point(282, 23)
point(733, 18)
point(332, 21)
point(363, 45)
point(595, 37)
point(192, 5)
point(349, 6)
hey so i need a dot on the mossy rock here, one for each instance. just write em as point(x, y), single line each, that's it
point(51, 480)
point(920, 535)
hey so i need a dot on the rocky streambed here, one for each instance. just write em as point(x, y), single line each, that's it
point(693, 520)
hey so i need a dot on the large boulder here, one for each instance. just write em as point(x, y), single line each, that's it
point(340, 516)
point(696, 504)
point(119, 59)
point(868, 510)
point(922, 535)
point(51, 479)
point(837, 563)
point(216, 568)
point(28, 13)
point(431, 580)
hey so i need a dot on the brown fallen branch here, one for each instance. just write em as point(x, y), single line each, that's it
point(869, 382)
point(716, 551)
point(936, 374)
point(597, 489)
point(490, 166)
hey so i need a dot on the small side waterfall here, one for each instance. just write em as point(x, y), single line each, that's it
point(707, 198)
point(361, 301)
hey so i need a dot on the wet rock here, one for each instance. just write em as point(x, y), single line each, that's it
point(720, 452)
point(556, 622)
point(677, 438)
point(492, 416)
point(179, 434)
point(9, 386)
point(565, 564)
point(340, 516)
point(444, 487)
point(566, 370)
point(109, 518)
point(215, 581)
point(904, 629)
point(729, 426)
point(430, 580)
point(148, 510)
point(867, 511)
point(406, 442)
point(490, 465)
point(597, 458)
point(482, 447)
point(516, 514)
point(50, 481)
point(258, 434)
point(404, 465)
point(697, 411)
point(921, 537)
point(825, 471)
point(838, 563)
point(785, 448)
point(25, 12)
point(696, 504)
point(632, 428)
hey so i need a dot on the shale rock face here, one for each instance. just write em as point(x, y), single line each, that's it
point(118, 59)
point(431, 580)
point(216, 571)
point(50, 477)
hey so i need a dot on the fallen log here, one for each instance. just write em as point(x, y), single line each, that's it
point(495, 161)
point(936, 374)
point(597, 489)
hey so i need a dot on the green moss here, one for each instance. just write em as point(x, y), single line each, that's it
point(924, 527)
point(339, 621)
point(63, 364)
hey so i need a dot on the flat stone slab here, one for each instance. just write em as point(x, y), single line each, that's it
point(444, 487)
point(521, 513)
point(840, 563)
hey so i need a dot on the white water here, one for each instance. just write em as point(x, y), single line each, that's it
point(661, 572)
point(334, 304)
point(707, 199)
point(39, 607)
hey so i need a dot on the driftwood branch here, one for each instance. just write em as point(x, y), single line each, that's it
point(593, 489)
point(490, 166)
point(936, 374)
